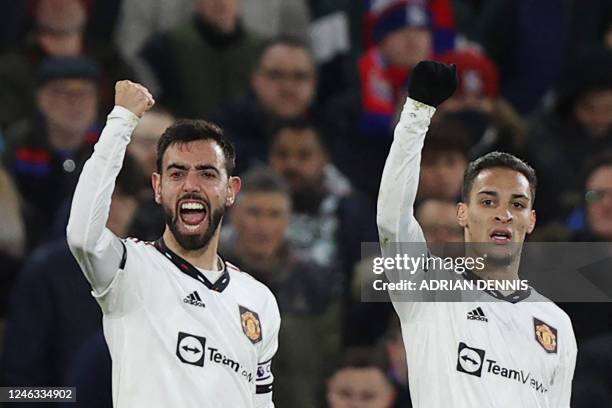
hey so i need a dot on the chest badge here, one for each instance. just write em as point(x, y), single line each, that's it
point(545, 335)
point(251, 326)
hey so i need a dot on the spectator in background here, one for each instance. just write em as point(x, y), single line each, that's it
point(438, 220)
point(330, 219)
point(444, 160)
point(594, 231)
point(46, 153)
point(283, 86)
point(403, 36)
point(578, 127)
point(148, 222)
point(306, 293)
point(513, 32)
point(403, 33)
point(274, 18)
point(360, 380)
point(441, 13)
point(59, 32)
point(51, 310)
point(547, 33)
point(491, 122)
point(598, 201)
point(12, 236)
point(139, 20)
point(206, 62)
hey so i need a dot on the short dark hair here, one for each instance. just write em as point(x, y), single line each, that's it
point(262, 179)
point(190, 130)
point(298, 124)
point(497, 159)
point(447, 135)
point(363, 357)
point(286, 40)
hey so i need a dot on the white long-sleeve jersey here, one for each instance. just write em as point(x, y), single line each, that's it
point(176, 339)
point(519, 351)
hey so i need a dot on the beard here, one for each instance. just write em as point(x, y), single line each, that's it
point(191, 242)
point(306, 197)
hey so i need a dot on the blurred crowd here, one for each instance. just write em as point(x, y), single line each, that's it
point(309, 92)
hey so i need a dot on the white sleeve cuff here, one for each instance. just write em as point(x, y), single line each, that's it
point(124, 113)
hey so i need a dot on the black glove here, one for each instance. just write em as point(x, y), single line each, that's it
point(432, 82)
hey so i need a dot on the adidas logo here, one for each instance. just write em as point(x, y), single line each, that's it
point(477, 314)
point(194, 299)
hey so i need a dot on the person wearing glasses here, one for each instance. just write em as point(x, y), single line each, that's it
point(283, 85)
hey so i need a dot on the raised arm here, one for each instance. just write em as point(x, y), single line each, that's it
point(399, 232)
point(431, 83)
point(98, 251)
point(400, 178)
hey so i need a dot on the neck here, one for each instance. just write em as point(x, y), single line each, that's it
point(205, 258)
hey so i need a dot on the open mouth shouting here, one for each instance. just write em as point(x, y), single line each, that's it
point(192, 212)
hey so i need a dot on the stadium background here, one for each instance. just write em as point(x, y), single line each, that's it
point(318, 106)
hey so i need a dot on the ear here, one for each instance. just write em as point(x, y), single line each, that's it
point(462, 214)
point(233, 187)
point(156, 183)
point(532, 222)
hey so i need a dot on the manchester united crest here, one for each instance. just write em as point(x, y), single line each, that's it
point(545, 335)
point(250, 324)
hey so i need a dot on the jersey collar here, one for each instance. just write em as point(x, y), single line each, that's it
point(513, 297)
point(191, 270)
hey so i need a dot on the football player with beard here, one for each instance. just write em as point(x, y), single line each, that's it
point(184, 328)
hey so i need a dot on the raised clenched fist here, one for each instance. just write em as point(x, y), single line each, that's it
point(133, 97)
point(432, 82)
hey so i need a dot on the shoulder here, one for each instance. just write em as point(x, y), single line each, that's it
point(134, 246)
point(256, 292)
point(134, 242)
point(547, 312)
point(247, 281)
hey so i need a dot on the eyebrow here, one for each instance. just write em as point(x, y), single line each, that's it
point(198, 167)
point(495, 194)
